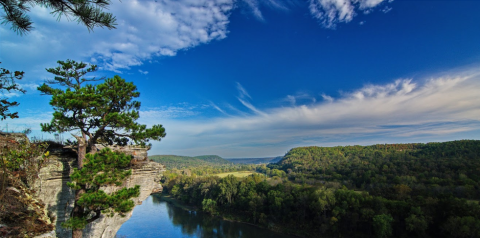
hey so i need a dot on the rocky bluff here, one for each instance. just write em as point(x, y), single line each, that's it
point(52, 189)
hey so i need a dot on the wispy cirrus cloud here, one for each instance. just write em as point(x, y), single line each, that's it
point(300, 98)
point(254, 6)
point(441, 107)
point(242, 92)
point(405, 110)
point(331, 12)
point(143, 72)
point(182, 110)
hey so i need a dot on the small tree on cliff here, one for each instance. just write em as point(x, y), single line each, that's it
point(101, 169)
point(104, 111)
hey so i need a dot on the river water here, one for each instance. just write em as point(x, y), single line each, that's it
point(158, 218)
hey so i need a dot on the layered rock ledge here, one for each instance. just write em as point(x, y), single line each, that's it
point(52, 189)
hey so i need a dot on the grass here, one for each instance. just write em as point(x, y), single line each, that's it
point(238, 174)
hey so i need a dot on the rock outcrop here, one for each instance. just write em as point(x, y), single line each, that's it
point(7, 138)
point(21, 213)
point(52, 188)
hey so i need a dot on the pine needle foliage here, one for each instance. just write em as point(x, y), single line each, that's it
point(87, 12)
point(105, 168)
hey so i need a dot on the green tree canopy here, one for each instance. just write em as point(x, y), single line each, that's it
point(88, 12)
point(382, 225)
point(101, 169)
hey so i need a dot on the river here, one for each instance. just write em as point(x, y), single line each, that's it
point(158, 218)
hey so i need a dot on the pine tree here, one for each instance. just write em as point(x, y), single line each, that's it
point(104, 111)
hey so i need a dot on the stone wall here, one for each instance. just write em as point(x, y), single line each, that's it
point(52, 188)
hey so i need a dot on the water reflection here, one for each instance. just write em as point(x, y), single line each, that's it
point(202, 225)
point(157, 218)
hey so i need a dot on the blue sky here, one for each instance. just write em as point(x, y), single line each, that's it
point(251, 78)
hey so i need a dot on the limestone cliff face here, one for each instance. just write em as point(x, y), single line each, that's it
point(51, 187)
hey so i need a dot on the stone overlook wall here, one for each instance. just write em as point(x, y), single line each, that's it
point(51, 187)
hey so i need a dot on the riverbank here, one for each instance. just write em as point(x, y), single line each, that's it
point(170, 199)
point(229, 217)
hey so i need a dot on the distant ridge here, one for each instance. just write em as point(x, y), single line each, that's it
point(265, 160)
point(181, 162)
point(314, 160)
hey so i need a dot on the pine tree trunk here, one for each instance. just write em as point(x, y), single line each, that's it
point(78, 210)
point(77, 233)
point(82, 150)
point(93, 148)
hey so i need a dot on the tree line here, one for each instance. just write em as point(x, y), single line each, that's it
point(318, 197)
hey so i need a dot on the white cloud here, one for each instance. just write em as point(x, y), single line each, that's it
point(331, 12)
point(10, 94)
point(255, 8)
point(145, 29)
point(291, 99)
point(327, 98)
point(250, 106)
point(29, 86)
point(218, 108)
point(300, 98)
point(143, 72)
point(170, 112)
point(444, 107)
point(386, 9)
point(30, 120)
point(243, 93)
point(405, 110)
point(369, 3)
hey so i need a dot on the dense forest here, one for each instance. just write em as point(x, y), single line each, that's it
point(402, 190)
point(426, 169)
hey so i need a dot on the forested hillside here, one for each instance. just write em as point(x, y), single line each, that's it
point(182, 162)
point(406, 190)
point(425, 169)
